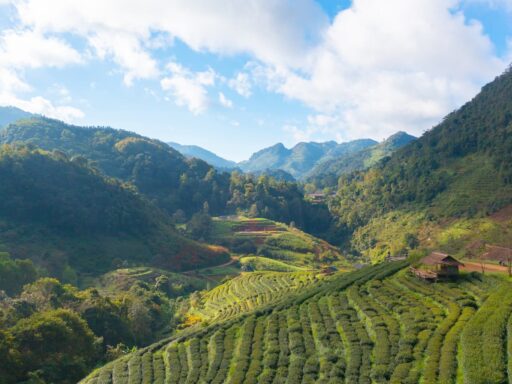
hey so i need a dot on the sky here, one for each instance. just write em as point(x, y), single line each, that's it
point(235, 76)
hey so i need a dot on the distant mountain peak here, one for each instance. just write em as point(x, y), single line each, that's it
point(203, 154)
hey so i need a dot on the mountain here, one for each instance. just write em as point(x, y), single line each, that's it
point(302, 157)
point(327, 171)
point(61, 213)
point(9, 115)
point(203, 154)
point(457, 173)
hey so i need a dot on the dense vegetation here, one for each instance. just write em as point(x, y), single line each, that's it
point(61, 214)
point(178, 185)
point(459, 169)
point(55, 333)
point(470, 149)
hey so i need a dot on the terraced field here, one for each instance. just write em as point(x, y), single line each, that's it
point(375, 325)
point(250, 291)
point(277, 241)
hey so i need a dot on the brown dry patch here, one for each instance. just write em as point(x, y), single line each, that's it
point(504, 214)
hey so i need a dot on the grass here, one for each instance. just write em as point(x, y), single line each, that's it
point(260, 263)
point(277, 241)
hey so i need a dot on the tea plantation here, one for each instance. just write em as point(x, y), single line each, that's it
point(375, 325)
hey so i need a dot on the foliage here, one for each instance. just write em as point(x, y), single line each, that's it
point(461, 168)
point(14, 274)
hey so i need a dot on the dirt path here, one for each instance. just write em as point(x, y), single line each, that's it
point(471, 266)
point(233, 260)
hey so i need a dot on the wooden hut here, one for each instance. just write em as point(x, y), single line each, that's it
point(437, 266)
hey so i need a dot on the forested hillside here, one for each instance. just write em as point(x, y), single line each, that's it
point(460, 168)
point(176, 184)
point(62, 214)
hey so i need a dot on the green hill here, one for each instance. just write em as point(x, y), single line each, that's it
point(461, 168)
point(176, 184)
point(276, 241)
point(376, 325)
point(60, 213)
point(327, 171)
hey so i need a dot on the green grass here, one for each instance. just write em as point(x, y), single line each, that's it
point(260, 263)
point(272, 240)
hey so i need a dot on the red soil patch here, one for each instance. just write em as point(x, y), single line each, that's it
point(503, 214)
point(470, 266)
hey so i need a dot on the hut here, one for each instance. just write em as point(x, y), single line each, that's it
point(330, 270)
point(437, 266)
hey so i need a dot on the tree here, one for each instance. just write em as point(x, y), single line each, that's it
point(57, 343)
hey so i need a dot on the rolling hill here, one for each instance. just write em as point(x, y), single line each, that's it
point(176, 184)
point(461, 169)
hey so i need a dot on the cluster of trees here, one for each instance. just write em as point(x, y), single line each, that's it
point(54, 333)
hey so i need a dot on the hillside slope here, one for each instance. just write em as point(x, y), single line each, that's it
point(302, 157)
point(373, 325)
point(327, 172)
point(461, 168)
point(60, 212)
point(176, 184)
point(9, 115)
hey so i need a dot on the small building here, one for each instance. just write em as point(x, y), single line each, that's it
point(437, 266)
point(329, 270)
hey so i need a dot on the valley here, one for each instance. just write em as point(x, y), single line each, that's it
point(124, 261)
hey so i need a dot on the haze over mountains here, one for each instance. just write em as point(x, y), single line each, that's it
point(306, 159)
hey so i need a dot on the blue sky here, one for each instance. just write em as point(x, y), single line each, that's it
point(235, 76)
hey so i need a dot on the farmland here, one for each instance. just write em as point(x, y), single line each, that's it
point(272, 240)
point(375, 325)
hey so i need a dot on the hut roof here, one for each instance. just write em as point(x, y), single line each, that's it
point(436, 258)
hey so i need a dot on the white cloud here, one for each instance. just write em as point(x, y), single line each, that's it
point(29, 49)
point(127, 51)
point(274, 31)
point(241, 83)
point(389, 66)
point(25, 49)
point(224, 101)
point(377, 68)
point(188, 88)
